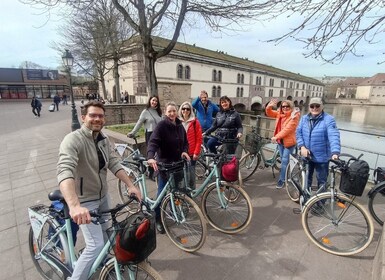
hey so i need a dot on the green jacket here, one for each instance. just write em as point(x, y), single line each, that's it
point(78, 159)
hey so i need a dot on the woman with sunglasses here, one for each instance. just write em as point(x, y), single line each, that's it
point(318, 138)
point(287, 118)
point(194, 136)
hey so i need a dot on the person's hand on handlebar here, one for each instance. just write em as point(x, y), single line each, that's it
point(274, 140)
point(305, 152)
point(80, 215)
point(186, 156)
point(239, 135)
point(152, 162)
point(130, 135)
point(334, 157)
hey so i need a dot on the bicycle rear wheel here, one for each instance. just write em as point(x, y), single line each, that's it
point(186, 226)
point(338, 224)
point(54, 250)
point(248, 165)
point(376, 203)
point(124, 151)
point(294, 180)
point(234, 215)
point(142, 271)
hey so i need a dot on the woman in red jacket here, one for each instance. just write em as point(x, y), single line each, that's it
point(194, 136)
point(287, 118)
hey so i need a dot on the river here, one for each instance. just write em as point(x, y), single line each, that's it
point(369, 122)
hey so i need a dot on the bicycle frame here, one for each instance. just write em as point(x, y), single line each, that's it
point(69, 249)
point(269, 162)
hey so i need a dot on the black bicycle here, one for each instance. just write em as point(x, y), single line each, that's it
point(376, 203)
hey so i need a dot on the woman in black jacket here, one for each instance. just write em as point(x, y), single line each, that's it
point(169, 142)
point(227, 124)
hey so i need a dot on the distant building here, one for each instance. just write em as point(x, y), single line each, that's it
point(26, 83)
point(188, 69)
point(372, 89)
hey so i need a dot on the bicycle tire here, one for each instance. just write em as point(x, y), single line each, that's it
point(201, 169)
point(294, 179)
point(376, 203)
point(248, 165)
point(347, 235)
point(127, 153)
point(143, 271)
point(133, 172)
point(278, 163)
point(189, 235)
point(55, 251)
point(237, 215)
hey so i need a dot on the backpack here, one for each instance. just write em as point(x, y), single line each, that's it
point(229, 170)
point(355, 177)
point(136, 238)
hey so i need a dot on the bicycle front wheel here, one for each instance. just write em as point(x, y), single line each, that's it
point(294, 180)
point(376, 203)
point(124, 151)
point(227, 209)
point(141, 271)
point(337, 224)
point(54, 250)
point(248, 165)
point(183, 222)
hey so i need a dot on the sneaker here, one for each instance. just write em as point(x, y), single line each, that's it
point(279, 185)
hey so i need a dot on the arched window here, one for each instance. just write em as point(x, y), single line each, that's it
point(214, 75)
point(219, 91)
point(179, 72)
point(238, 91)
point(213, 91)
point(241, 92)
point(239, 78)
point(219, 76)
point(242, 79)
point(187, 72)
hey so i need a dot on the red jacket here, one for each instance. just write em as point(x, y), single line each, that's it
point(289, 122)
point(194, 137)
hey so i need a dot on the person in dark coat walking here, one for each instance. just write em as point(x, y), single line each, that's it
point(56, 100)
point(36, 107)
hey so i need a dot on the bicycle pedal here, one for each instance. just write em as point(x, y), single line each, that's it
point(297, 211)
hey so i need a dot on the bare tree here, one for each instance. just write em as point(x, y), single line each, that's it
point(329, 29)
point(148, 18)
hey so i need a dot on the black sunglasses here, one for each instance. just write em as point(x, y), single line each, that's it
point(285, 106)
point(314, 106)
point(184, 109)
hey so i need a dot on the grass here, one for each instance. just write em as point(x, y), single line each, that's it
point(125, 128)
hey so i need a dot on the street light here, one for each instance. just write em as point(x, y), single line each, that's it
point(68, 61)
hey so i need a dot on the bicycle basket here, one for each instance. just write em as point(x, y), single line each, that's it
point(253, 142)
point(229, 167)
point(354, 178)
point(134, 238)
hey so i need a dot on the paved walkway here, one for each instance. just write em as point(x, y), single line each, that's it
point(273, 247)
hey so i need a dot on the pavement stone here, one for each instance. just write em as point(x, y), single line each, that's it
point(274, 246)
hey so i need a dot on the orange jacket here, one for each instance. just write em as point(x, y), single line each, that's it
point(289, 122)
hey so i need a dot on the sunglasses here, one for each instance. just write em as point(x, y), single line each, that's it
point(186, 109)
point(285, 106)
point(314, 106)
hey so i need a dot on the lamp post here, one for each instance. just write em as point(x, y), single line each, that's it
point(68, 61)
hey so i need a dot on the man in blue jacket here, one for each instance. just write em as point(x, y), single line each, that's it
point(205, 110)
point(318, 138)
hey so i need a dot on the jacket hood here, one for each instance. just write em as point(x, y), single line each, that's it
point(192, 114)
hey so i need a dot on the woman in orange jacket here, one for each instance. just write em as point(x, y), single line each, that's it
point(287, 118)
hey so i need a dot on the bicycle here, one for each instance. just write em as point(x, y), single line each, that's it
point(181, 217)
point(376, 202)
point(254, 145)
point(334, 221)
point(52, 247)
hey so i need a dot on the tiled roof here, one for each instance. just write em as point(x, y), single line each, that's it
point(378, 79)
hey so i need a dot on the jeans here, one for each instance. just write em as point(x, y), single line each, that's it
point(36, 111)
point(322, 172)
point(191, 181)
point(212, 144)
point(162, 181)
point(285, 157)
point(95, 237)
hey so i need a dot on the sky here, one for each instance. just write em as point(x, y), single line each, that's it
point(28, 36)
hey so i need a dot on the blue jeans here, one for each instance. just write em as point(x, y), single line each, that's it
point(212, 144)
point(322, 172)
point(285, 157)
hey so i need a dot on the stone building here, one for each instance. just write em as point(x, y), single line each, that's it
point(188, 69)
